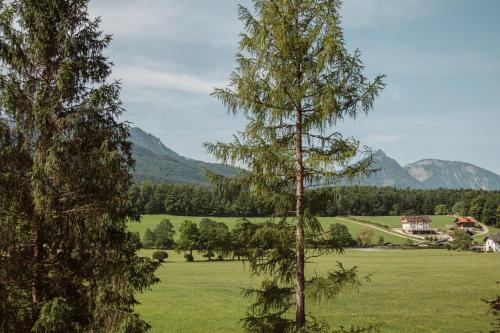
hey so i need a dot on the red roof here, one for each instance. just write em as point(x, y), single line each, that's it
point(416, 218)
point(465, 219)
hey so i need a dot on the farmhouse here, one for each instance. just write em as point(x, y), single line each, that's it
point(465, 223)
point(492, 242)
point(416, 224)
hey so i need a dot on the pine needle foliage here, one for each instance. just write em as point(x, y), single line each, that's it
point(494, 309)
point(295, 81)
point(272, 254)
point(67, 262)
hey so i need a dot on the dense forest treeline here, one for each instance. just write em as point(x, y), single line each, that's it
point(196, 200)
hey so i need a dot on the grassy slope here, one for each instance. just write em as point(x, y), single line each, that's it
point(438, 221)
point(492, 230)
point(150, 221)
point(411, 291)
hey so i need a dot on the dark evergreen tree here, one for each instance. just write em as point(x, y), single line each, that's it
point(325, 201)
point(294, 82)
point(488, 214)
point(497, 217)
point(164, 235)
point(476, 206)
point(67, 262)
point(243, 234)
point(149, 240)
point(223, 241)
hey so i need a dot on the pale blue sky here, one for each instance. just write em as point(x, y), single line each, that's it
point(441, 58)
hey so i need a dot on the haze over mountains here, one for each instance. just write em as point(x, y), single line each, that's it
point(156, 162)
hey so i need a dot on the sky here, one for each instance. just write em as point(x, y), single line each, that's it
point(441, 58)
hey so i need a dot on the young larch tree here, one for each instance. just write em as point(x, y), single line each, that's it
point(67, 262)
point(295, 81)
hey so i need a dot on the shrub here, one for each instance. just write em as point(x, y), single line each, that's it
point(461, 240)
point(340, 236)
point(188, 257)
point(365, 236)
point(160, 255)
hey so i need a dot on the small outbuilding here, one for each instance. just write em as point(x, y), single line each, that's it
point(492, 243)
point(466, 223)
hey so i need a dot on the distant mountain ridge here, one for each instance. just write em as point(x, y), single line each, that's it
point(433, 173)
point(429, 174)
point(389, 173)
point(158, 163)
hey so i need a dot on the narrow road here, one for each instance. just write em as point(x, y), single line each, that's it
point(485, 228)
point(382, 229)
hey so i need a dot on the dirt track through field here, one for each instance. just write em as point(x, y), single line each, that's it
point(381, 229)
point(485, 231)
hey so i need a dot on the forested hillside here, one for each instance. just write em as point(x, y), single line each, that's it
point(155, 162)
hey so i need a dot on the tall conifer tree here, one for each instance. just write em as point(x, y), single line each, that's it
point(295, 81)
point(67, 262)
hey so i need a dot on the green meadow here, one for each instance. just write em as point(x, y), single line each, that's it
point(410, 291)
point(150, 221)
point(438, 221)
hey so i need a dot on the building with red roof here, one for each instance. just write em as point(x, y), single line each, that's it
point(416, 224)
point(465, 222)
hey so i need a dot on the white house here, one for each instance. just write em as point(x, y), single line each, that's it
point(492, 242)
point(419, 224)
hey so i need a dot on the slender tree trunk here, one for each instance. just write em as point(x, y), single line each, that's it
point(300, 313)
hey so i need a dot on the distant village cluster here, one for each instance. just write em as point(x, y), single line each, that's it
point(419, 226)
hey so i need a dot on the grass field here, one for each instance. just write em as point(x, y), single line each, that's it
point(438, 221)
point(150, 221)
point(411, 291)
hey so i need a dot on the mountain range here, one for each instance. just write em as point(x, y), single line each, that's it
point(429, 174)
point(158, 163)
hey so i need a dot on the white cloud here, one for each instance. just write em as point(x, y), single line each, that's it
point(214, 21)
point(157, 78)
point(358, 13)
